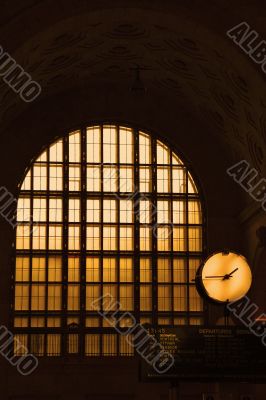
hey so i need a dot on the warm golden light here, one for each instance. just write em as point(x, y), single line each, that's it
point(226, 277)
point(106, 210)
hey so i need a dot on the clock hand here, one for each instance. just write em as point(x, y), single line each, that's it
point(228, 276)
point(231, 273)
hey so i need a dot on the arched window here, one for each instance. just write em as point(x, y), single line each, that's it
point(112, 210)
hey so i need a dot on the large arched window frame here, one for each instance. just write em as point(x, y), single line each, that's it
point(107, 209)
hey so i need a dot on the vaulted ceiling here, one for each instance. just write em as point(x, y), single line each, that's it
point(182, 50)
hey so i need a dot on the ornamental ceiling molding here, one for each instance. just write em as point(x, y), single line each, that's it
point(197, 73)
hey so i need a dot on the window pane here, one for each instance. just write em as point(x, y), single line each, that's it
point(191, 185)
point(37, 344)
point(163, 153)
point(74, 147)
point(126, 297)
point(126, 145)
point(179, 270)
point(164, 270)
point(20, 344)
point(145, 179)
point(93, 238)
point(73, 269)
point(54, 297)
point(26, 185)
point(22, 269)
point(21, 297)
point(163, 216)
point(93, 178)
point(92, 345)
point(39, 237)
point(92, 297)
point(38, 269)
point(180, 298)
point(23, 237)
point(164, 298)
point(42, 157)
point(176, 160)
point(163, 238)
point(194, 264)
point(126, 270)
point(179, 212)
point(179, 239)
point(109, 238)
point(109, 144)
point(126, 211)
point(38, 297)
point(145, 211)
point(74, 210)
point(195, 238)
point(145, 270)
point(194, 212)
point(55, 237)
point(109, 345)
point(93, 210)
point(74, 178)
point(126, 238)
point(53, 345)
point(39, 177)
point(37, 322)
point(56, 177)
point(23, 209)
point(21, 322)
point(73, 297)
point(145, 298)
point(93, 145)
point(125, 349)
point(111, 291)
point(56, 151)
point(54, 269)
point(179, 180)
point(145, 238)
point(73, 237)
point(109, 270)
point(55, 210)
point(144, 148)
point(92, 322)
point(110, 179)
point(164, 321)
point(163, 180)
point(126, 179)
point(195, 301)
point(92, 269)
point(109, 211)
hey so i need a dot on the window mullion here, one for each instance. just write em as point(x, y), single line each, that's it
point(65, 242)
point(82, 272)
point(154, 233)
point(136, 258)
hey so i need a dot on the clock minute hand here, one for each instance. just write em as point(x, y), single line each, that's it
point(228, 276)
point(231, 273)
point(215, 276)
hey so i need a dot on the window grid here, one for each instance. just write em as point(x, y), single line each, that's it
point(72, 305)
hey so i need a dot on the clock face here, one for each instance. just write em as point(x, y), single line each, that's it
point(225, 277)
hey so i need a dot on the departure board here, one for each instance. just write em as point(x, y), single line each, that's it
point(216, 353)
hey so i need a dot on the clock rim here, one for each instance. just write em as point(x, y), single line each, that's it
point(200, 285)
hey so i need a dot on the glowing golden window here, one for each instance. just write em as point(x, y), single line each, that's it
point(106, 210)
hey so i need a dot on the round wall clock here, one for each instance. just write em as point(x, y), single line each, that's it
point(224, 277)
